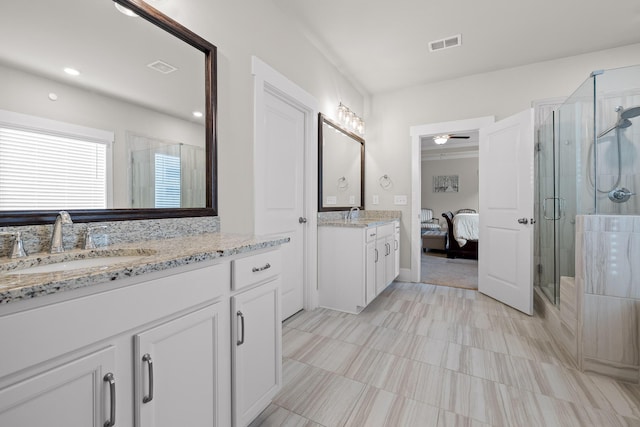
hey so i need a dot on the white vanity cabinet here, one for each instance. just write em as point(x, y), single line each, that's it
point(256, 335)
point(355, 264)
point(57, 356)
point(74, 393)
point(177, 368)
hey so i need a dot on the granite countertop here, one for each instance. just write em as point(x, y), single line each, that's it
point(358, 222)
point(144, 257)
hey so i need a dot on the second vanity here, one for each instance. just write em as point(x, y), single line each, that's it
point(357, 260)
point(188, 333)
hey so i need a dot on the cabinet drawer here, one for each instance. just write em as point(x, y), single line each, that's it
point(255, 269)
point(372, 232)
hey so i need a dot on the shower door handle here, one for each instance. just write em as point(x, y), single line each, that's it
point(523, 221)
point(544, 209)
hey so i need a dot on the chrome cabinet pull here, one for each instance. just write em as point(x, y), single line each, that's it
point(302, 220)
point(376, 259)
point(147, 359)
point(112, 396)
point(264, 267)
point(241, 340)
point(396, 244)
point(523, 221)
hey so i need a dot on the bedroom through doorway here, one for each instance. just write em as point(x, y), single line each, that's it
point(449, 173)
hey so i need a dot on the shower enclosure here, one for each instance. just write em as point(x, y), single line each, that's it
point(587, 162)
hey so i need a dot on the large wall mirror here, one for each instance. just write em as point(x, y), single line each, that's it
point(341, 167)
point(141, 106)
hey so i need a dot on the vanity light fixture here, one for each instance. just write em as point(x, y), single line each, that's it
point(72, 71)
point(125, 11)
point(350, 120)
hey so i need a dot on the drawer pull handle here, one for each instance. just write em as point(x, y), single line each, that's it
point(112, 397)
point(241, 340)
point(147, 359)
point(257, 269)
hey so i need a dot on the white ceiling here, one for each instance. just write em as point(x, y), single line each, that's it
point(110, 50)
point(382, 45)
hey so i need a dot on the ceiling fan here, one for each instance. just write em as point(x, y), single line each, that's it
point(441, 139)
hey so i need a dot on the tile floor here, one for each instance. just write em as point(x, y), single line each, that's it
point(425, 355)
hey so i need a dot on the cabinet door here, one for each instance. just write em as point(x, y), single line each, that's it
point(389, 260)
point(381, 250)
point(257, 350)
point(370, 272)
point(396, 251)
point(177, 368)
point(75, 394)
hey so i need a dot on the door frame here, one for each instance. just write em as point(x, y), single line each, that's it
point(417, 132)
point(268, 80)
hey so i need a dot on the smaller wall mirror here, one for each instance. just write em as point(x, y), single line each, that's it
point(340, 167)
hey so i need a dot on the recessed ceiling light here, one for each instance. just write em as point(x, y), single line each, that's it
point(197, 114)
point(124, 10)
point(72, 71)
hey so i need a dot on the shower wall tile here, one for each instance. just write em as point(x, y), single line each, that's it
point(608, 295)
point(611, 329)
point(569, 303)
point(610, 337)
point(613, 268)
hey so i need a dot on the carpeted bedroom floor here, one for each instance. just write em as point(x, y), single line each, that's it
point(437, 269)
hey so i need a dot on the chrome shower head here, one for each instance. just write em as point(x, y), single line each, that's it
point(623, 119)
point(629, 113)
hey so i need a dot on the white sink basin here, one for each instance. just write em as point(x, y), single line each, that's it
point(77, 264)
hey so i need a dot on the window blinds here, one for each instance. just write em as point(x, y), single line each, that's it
point(50, 171)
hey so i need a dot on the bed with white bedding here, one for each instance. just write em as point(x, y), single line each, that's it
point(463, 235)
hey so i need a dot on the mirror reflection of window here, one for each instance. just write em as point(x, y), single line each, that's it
point(50, 165)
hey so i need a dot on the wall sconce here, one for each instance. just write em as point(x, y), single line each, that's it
point(350, 120)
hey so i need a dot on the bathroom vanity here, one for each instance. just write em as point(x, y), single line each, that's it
point(187, 333)
point(357, 260)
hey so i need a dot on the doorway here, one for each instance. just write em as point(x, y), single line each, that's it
point(418, 133)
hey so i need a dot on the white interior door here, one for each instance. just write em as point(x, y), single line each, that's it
point(505, 253)
point(280, 191)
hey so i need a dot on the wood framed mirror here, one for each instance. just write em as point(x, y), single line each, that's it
point(146, 69)
point(340, 167)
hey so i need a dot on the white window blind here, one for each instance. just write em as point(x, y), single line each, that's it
point(167, 177)
point(49, 170)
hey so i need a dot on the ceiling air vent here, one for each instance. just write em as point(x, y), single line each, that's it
point(162, 67)
point(445, 43)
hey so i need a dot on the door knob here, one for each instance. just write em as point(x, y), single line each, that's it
point(302, 220)
point(523, 221)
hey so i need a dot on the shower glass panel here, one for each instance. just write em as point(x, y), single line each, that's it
point(165, 175)
point(545, 206)
point(588, 162)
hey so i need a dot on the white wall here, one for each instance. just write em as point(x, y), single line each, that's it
point(467, 195)
point(500, 94)
point(241, 29)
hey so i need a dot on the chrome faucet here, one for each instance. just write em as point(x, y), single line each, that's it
point(88, 236)
point(63, 218)
point(351, 212)
point(17, 250)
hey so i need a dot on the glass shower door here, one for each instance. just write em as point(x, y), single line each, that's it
point(546, 206)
